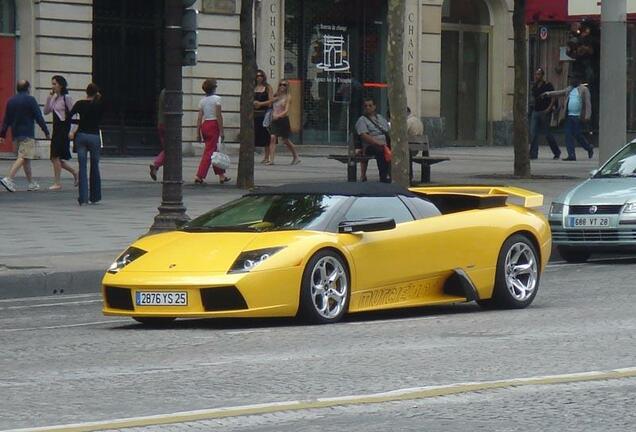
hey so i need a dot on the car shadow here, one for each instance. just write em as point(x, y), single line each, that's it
point(270, 323)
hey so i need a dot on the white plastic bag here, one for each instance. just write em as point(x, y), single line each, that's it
point(219, 158)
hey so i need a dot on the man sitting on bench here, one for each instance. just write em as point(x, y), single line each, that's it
point(373, 130)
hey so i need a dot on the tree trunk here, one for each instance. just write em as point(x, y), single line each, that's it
point(245, 175)
point(520, 103)
point(397, 93)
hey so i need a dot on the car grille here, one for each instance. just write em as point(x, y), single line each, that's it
point(222, 299)
point(593, 235)
point(118, 298)
point(600, 209)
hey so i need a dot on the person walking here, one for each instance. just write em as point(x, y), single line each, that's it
point(540, 117)
point(161, 131)
point(87, 140)
point(373, 130)
point(210, 127)
point(263, 96)
point(60, 104)
point(280, 124)
point(578, 109)
point(21, 113)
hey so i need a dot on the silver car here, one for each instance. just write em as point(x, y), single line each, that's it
point(600, 213)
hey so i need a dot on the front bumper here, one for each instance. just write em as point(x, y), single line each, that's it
point(273, 293)
point(621, 235)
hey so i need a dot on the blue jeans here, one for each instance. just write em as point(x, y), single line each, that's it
point(88, 143)
point(539, 126)
point(574, 131)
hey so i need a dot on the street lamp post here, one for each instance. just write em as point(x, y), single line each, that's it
point(172, 211)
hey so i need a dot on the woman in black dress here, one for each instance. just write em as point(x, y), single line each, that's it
point(60, 104)
point(262, 102)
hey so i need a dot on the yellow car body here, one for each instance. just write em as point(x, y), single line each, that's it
point(406, 266)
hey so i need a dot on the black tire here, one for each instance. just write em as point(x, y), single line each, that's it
point(510, 297)
point(574, 254)
point(309, 307)
point(154, 321)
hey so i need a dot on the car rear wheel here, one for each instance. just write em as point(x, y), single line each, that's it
point(573, 254)
point(517, 277)
point(325, 288)
point(154, 321)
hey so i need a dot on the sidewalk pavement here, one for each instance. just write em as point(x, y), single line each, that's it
point(52, 246)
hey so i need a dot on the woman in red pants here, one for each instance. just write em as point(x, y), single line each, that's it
point(210, 127)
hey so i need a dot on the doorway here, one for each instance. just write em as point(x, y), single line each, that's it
point(464, 70)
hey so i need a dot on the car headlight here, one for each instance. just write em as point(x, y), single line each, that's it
point(556, 208)
point(250, 259)
point(630, 208)
point(131, 254)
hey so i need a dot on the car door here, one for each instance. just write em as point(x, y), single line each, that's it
point(385, 263)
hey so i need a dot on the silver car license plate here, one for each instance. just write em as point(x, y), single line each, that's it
point(161, 298)
point(589, 222)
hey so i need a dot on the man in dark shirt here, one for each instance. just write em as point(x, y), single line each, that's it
point(20, 115)
point(540, 119)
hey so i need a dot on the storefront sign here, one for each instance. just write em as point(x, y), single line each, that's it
point(225, 7)
point(269, 42)
point(411, 51)
point(335, 48)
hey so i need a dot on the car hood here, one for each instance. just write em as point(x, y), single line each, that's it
point(203, 252)
point(603, 191)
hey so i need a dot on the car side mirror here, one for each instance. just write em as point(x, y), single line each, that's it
point(593, 172)
point(366, 225)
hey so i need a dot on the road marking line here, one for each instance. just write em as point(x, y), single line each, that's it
point(52, 297)
point(375, 398)
point(63, 326)
point(50, 304)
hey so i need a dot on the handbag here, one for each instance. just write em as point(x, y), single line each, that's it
point(388, 154)
point(219, 158)
point(267, 120)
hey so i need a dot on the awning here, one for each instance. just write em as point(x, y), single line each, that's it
point(546, 11)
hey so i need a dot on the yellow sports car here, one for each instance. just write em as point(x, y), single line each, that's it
point(319, 251)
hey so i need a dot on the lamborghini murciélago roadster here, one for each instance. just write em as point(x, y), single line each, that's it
point(319, 251)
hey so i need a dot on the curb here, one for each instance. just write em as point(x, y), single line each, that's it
point(50, 283)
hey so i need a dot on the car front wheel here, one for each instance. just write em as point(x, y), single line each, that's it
point(325, 288)
point(517, 277)
point(573, 254)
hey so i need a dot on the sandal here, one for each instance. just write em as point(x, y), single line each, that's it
point(225, 180)
point(269, 163)
point(197, 180)
point(295, 162)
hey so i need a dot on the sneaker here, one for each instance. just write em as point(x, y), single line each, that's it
point(34, 186)
point(8, 184)
point(55, 187)
point(153, 172)
point(590, 153)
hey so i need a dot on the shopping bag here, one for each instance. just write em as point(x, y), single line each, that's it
point(219, 158)
point(388, 155)
point(267, 121)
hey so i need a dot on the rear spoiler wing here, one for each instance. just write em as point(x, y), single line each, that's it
point(528, 198)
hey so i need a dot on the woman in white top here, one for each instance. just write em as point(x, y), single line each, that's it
point(280, 124)
point(210, 126)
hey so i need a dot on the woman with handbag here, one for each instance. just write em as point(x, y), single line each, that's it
point(60, 104)
point(210, 127)
point(262, 102)
point(280, 124)
point(88, 141)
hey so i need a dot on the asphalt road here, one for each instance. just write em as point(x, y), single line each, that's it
point(62, 362)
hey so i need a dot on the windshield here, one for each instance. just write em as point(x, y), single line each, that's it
point(621, 165)
point(268, 213)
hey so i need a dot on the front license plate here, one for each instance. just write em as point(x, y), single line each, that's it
point(589, 222)
point(161, 298)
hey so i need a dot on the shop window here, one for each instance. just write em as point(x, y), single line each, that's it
point(465, 12)
point(7, 17)
point(335, 54)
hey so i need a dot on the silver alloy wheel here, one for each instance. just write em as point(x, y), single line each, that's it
point(329, 286)
point(521, 271)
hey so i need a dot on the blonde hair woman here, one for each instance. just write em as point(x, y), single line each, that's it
point(280, 124)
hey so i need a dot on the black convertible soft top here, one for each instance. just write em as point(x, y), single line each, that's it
point(336, 188)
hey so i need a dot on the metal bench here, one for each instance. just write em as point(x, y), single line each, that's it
point(417, 145)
